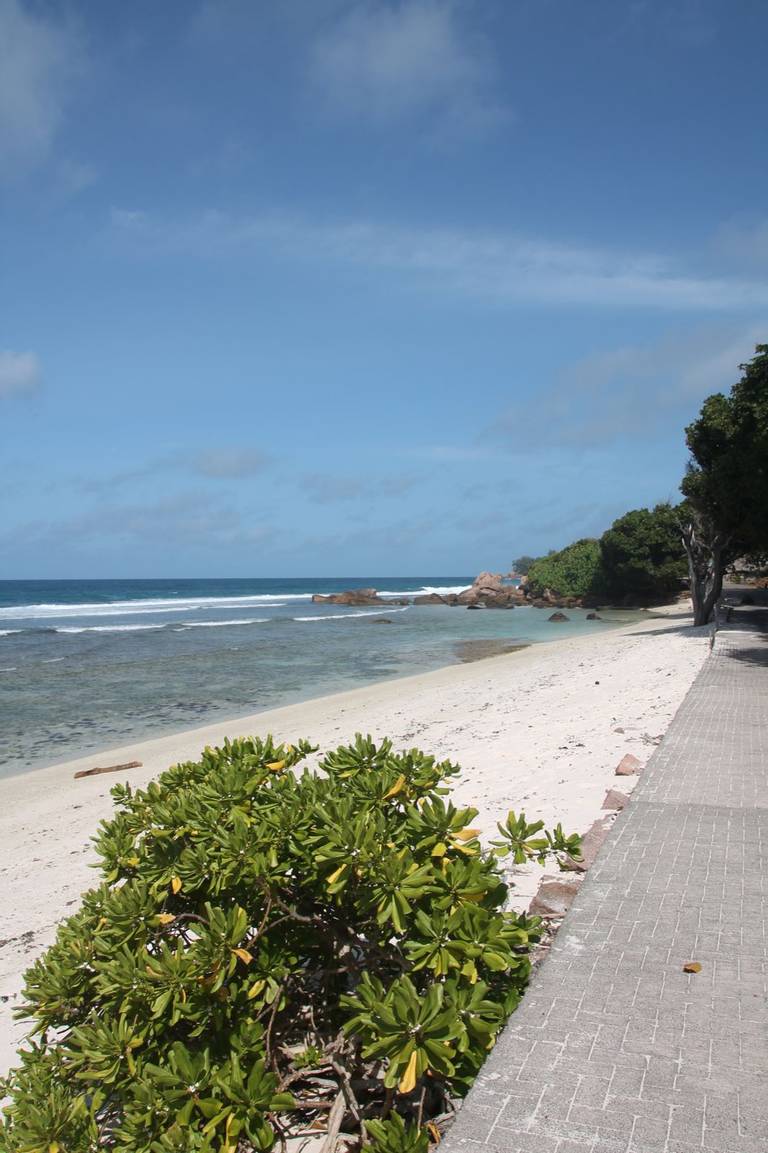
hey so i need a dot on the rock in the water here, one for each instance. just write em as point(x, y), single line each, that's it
point(350, 597)
point(593, 617)
point(615, 800)
point(628, 766)
point(558, 618)
point(553, 899)
point(590, 846)
point(381, 620)
point(490, 591)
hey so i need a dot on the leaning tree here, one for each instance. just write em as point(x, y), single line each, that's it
point(726, 483)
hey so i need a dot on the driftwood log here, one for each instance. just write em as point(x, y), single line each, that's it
point(107, 769)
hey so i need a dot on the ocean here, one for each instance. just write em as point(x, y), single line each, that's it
point(85, 665)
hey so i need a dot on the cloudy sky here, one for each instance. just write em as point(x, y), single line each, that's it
point(354, 287)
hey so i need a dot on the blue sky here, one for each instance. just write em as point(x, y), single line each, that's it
point(364, 287)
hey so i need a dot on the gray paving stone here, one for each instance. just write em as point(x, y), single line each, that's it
point(615, 1049)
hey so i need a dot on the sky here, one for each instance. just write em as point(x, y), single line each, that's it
point(355, 287)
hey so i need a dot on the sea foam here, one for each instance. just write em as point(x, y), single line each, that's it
point(140, 608)
point(348, 616)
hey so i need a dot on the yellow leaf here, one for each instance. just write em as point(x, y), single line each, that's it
point(255, 989)
point(132, 861)
point(692, 967)
point(408, 1080)
point(244, 955)
point(469, 969)
point(276, 766)
point(439, 850)
point(398, 787)
point(102, 921)
point(466, 834)
point(434, 1133)
point(475, 898)
point(335, 875)
point(54, 1147)
point(176, 884)
point(165, 918)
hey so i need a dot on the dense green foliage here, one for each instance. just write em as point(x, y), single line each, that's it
point(523, 564)
point(268, 948)
point(727, 478)
point(646, 553)
point(726, 483)
point(575, 571)
point(638, 560)
point(643, 559)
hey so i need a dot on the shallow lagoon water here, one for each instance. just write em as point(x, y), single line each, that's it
point(85, 665)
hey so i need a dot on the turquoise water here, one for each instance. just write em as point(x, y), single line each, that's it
point(85, 665)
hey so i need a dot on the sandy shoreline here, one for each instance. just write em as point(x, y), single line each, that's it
point(534, 729)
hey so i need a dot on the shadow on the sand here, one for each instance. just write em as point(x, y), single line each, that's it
point(683, 630)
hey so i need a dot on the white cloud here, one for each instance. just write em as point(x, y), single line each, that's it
point(500, 268)
point(230, 463)
point(387, 60)
point(743, 241)
point(19, 372)
point(633, 391)
point(331, 488)
point(128, 219)
point(37, 60)
point(191, 518)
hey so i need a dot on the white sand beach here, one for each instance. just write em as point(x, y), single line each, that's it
point(540, 730)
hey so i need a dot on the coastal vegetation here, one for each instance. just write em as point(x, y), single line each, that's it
point(726, 483)
point(272, 952)
point(641, 555)
point(646, 553)
point(522, 566)
point(574, 571)
point(639, 560)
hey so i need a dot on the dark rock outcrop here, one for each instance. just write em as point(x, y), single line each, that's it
point(489, 589)
point(558, 618)
point(350, 597)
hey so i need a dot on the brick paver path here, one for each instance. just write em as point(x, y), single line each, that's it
point(615, 1049)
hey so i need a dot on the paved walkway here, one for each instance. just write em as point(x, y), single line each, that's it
point(615, 1049)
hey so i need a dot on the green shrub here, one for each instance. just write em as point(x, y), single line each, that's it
point(575, 571)
point(270, 947)
point(643, 555)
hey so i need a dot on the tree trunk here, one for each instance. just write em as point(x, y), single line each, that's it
point(706, 566)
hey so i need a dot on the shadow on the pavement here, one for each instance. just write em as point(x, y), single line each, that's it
point(754, 655)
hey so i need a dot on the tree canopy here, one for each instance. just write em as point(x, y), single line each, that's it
point(726, 482)
point(642, 555)
point(575, 571)
point(523, 564)
point(727, 477)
